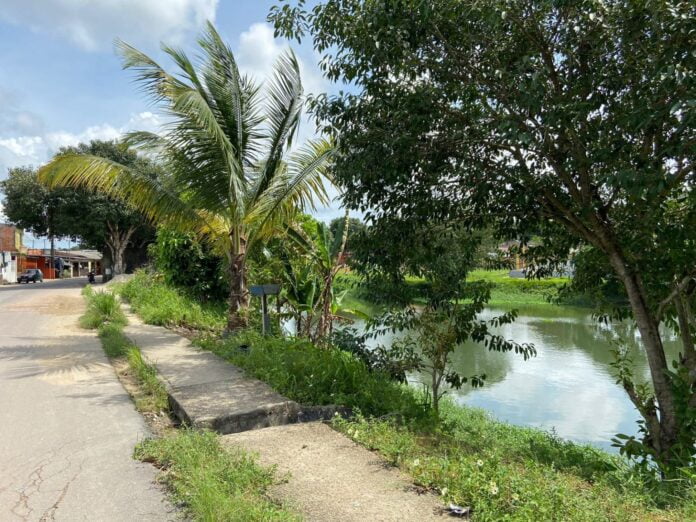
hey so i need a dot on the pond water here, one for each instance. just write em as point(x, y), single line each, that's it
point(568, 387)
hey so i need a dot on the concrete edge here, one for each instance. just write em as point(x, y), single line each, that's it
point(265, 416)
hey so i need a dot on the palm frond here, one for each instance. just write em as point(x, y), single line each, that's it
point(299, 185)
point(141, 192)
point(283, 109)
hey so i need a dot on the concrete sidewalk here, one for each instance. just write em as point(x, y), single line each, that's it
point(206, 391)
point(328, 477)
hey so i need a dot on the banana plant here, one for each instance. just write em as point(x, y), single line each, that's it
point(326, 258)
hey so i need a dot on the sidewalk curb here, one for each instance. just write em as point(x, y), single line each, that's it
point(205, 391)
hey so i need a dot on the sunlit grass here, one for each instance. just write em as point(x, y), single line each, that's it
point(212, 482)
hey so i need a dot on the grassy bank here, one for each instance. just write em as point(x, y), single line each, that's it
point(160, 304)
point(506, 291)
point(500, 471)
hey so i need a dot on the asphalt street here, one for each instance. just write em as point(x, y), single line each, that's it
point(67, 426)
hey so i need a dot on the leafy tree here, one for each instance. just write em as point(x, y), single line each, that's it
point(98, 221)
point(230, 177)
point(355, 228)
point(103, 222)
point(574, 120)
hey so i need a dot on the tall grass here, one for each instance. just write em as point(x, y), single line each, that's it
point(214, 483)
point(158, 303)
point(102, 308)
point(312, 375)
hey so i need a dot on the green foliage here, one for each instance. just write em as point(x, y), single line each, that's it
point(234, 175)
point(187, 263)
point(312, 375)
point(213, 482)
point(161, 304)
point(505, 472)
point(102, 309)
point(571, 121)
point(355, 229)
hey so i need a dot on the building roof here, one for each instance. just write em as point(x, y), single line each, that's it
point(72, 255)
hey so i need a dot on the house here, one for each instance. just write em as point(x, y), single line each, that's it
point(11, 250)
point(67, 263)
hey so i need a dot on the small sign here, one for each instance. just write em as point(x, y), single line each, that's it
point(261, 290)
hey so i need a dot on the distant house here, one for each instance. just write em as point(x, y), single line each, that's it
point(11, 250)
point(67, 263)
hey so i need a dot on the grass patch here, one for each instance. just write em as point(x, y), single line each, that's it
point(510, 290)
point(213, 482)
point(104, 313)
point(504, 472)
point(102, 308)
point(312, 375)
point(160, 304)
point(155, 397)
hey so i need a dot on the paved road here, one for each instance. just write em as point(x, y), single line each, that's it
point(67, 426)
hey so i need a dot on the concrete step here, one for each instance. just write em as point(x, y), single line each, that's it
point(205, 391)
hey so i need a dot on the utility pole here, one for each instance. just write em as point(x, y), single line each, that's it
point(53, 244)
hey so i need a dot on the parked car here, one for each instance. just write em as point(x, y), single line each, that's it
point(33, 275)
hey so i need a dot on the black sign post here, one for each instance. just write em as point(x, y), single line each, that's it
point(263, 291)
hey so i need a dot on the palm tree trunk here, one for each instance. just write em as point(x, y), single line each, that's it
point(239, 299)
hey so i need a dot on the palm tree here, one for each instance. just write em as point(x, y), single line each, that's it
point(230, 176)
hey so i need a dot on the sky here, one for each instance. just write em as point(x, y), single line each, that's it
point(62, 83)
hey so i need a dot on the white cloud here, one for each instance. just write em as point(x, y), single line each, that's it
point(93, 24)
point(258, 50)
point(35, 150)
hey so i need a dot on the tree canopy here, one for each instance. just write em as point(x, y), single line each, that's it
point(571, 119)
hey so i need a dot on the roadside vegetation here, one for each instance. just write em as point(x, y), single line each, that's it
point(497, 470)
point(165, 305)
point(105, 315)
point(542, 158)
point(213, 482)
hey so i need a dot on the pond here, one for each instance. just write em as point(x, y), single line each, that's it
point(568, 387)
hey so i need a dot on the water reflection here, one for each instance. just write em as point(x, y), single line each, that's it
point(568, 386)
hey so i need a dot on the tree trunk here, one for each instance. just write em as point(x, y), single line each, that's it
point(117, 242)
point(663, 432)
point(239, 300)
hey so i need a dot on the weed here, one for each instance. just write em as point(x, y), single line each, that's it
point(160, 304)
point(313, 375)
point(214, 483)
point(102, 308)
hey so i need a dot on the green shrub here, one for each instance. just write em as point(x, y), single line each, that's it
point(159, 303)
point(312, 375)
point(187, 263)
point(102, 308)
point(212, 482)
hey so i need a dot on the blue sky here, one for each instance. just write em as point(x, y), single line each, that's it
point(61, 82)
